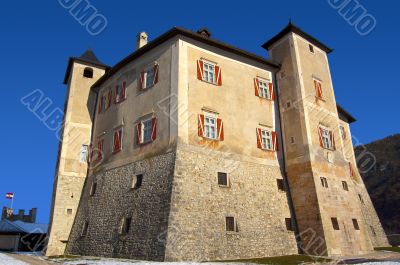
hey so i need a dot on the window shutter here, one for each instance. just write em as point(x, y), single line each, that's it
point(123, 89)
point(271, 91)
point(200, 130)
point(351, 170)
point(321, 142)
point(155, 80)
point(116, 96)
point(220, 128)
point(153, 129)
point(117, 141)
point(274, 141)
point(141, 81)
point(109, 98)
point(257, 87)
point(258, 132)
point(100, 104)
point(200, 69)
point(333, 140)
point(318, 88)
point(100, 149)
point(139, 133)
point(218, 76)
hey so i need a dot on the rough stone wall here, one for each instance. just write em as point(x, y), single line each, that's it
point(148, 206)
point(199, 206)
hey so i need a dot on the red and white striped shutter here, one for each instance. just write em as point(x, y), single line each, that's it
point(200, 69)
point(124, 90)
point(259, 140)
point(271, 91)
point(257, 86)
point(274, 141)
point(155, 80)
point(153, 129)
point(321, 141)
point(218, 75)
point(200, 130)
point(220, 128)
point(141, 81)
point(139, 133)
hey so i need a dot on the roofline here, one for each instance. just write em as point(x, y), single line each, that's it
point(293, 28)
point(345, 113)
point(180, 31)
point(71, 60)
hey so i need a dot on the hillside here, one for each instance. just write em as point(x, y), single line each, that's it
point(383, 181)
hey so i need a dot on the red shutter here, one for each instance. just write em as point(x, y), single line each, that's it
point(100, 149)
point(321, 142)
point(141, 81)
point(220, 129)
point(218, 75)
point(116, 96)
point(259, 140)
point(257, 86)
point(139, 133)
point(153, 129)
point(117, 141)
point(200, 69)
point(318, 88)
point(333, 140)
point(123, 90)
point(271, 91)
point(101, 104)
point(155, 80)
point(109, 98)
point(274, 141)
point(200, 131)
point(351, 170)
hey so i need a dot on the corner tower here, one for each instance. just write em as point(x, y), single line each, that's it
point(324, 182)
point(71, 169)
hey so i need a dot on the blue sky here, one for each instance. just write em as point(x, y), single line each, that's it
point(37, 37)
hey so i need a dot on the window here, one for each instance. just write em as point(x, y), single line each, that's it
point(318, 89)
point(345, 186)
point(209, 72)
point(146, 131)
point(84, 153)
point(281, 184)
point(335, 223)
point(93, 189)
point(355, 224)
point(210, 127)
point(292, 141)
point(85, 229)
point(137, 181)
point(149, 77)
point(342, 132)
point(266, 139)
point(324, 182)
point(230, 224)
point(326, 138)
point(361, 198)
point(100, 145)
point(125, 225)
point(311, 48)
point(120, 92)
point(222, 179)
point(264, 88)
point(102, 103)
point(88, 72)
point(288, 222)
point(117, 140)
point(288, 104)
point(69, 211)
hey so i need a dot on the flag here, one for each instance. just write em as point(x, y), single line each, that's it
point(9, 195)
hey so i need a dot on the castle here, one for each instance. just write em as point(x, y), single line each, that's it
point(192, 149)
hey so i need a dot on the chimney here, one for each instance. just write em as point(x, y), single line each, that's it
point(204, 32)
point(32, 215)
point(141, 40)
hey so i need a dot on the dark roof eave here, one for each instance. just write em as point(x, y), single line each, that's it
point(174, 32)
point(292, 28)
point(345, 113)
point(71, 61)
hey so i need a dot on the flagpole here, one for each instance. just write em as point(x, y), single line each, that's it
point(12, 201)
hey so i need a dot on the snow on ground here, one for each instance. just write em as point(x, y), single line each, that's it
point(7, 260)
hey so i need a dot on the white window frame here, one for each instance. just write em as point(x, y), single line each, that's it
point(208, 125)
point(263, 85)
point(120, 95)
point(84, 154)
point(209, 72)
point(326, 138)
point(266, 137)
point(146, 78)
point(342, 132)
point(143, 129)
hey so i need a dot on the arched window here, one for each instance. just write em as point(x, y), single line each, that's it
point(88, 72)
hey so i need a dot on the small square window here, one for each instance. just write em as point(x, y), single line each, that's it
point(230, 224)
point(345, 186)
point(292, 141)
point(335, 223)
point(355, 224)
point(281, 184)
point(311, 48)
point(137, 181)
point(324, 182)
point(93, 189)
point(223, 179)
point(85, 229)
point(69, 211)
point(288, 104)
point(288, 222)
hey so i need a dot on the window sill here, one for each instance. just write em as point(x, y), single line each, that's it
point(210, 139)
point(269, 99)
point(205, 81)
point(116, 151)
point(268, 150)
point(146, 143)
point(224, 186)
point(322, 99)
point(120, 101)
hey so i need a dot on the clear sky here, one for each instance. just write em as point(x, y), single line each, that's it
point(38, 37)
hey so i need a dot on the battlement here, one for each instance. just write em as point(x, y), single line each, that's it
point(8, 214)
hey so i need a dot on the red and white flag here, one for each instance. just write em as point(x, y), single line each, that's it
point(10, 195)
